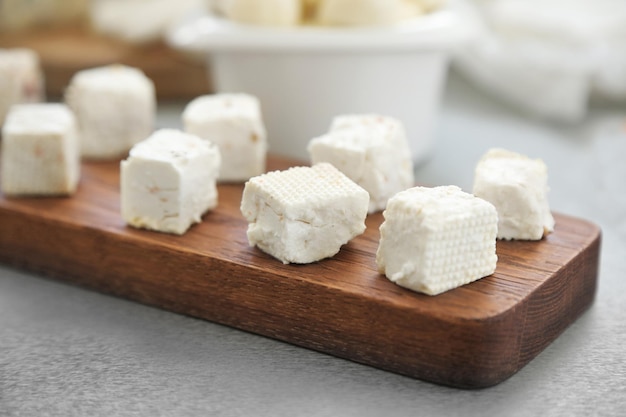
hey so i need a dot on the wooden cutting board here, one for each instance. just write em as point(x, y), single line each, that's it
point(63, 51)
point(474, 336)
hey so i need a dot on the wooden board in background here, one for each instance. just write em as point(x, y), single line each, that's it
point(474, 336)
point(65, 50)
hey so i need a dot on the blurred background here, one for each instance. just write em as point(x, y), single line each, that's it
point(70, 35)
point(570, 52)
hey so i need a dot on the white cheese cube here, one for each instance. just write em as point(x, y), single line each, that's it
point(140, 21)
point(436, 239)
point(233, 122)
point(40, 154)
point(429, 5)
point(169, 181)
point(366, 12)
point(21, 79)
point(115, 108)
point(371, 150)
point(266, 12)
point(303, 214)
point(518, 187)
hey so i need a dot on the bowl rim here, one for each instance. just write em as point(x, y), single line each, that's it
point(436, 31)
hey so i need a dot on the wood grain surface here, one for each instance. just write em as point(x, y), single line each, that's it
point(67, 50)
point(474, 336)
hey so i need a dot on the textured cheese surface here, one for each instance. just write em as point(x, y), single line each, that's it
point(169, 181)
point(366, 12)
point(40, 154)
point(370, 149)
point(436, 239)
point(303, 214)
point(266, 12)
point(234, 123)
point(21, 79)
point(518, 187)
point(115, 107)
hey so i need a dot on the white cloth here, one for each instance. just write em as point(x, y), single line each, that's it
point(547, 57)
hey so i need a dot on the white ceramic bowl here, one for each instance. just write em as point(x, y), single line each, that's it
point(305, 76)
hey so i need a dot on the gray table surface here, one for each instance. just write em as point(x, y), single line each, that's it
point(66, 351)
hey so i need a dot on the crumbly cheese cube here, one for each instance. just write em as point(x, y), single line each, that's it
point(435, 239)
point(115, 108)
point(518, 187)
point(233, 122)
point(169, 181)
point(303, 214)
point(265, 13)
point(21, 79)
point(40, 154)
point(371, 150)
point(366, 12)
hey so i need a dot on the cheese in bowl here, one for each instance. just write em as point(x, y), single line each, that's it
point(323, 12)
point(305, 72)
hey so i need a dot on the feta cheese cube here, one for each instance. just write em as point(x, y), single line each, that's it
point(366, 12)
point(115, 108)
point(169, 181)
point(139, 21)
point(21, 79)
point(40, 154)
point(436, 239)
point(233, 122)
point(303, 214)
point(266, 12)
point(429, 5)
point(518, 187)
point(371, 150)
